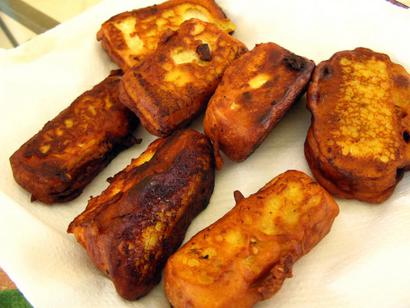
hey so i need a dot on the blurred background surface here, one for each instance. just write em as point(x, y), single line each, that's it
point(20, 20)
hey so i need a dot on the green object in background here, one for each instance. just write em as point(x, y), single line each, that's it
point(13, 299)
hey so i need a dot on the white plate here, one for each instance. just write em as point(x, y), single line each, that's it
point(364, 261)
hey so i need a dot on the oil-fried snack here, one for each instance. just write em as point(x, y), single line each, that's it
point(174, 84)
point(246, 255)
point(131, 229)
point(255, 92)
point(59, 161)
point(357, 144)
point(130, 36)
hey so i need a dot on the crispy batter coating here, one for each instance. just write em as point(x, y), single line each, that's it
point(246, 255)
point(173, 85)
point(59, 161)
point(131, 229)
point(357, 144)
point(255, 92)
point(130, 36)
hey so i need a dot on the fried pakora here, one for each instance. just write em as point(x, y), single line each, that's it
point(131, 36)
point(358, 143)
point(59, 161)
point(255, 92)
point(131, 229)
point(174, 84)
point(246, 255)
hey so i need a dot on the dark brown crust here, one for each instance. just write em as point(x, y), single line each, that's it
point(131, 229)
point(365, 179)
point(77, 151)
point(112, 39)
point(239, 117)
point(163, 105)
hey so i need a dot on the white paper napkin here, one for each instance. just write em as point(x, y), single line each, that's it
point(364, 261)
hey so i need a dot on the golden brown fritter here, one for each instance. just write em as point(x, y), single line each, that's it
point(255, 92)
point(130, 36)
point(357, 144)
point(131, 229)
point(173, 85)
point(246, 255)
point(59, 161)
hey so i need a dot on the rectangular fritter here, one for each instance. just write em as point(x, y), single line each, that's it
point(173, 85)
point(131, 229)
point(59, 161)
point(357, 145)
point(255, 92)
point(246, 255)
point(131, 36)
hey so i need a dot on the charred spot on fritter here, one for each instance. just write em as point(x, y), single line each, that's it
point(399, 173)
point(326, 72)
point(204, 52)
point(406, 136)
point(401, 81)
point(294, 62)
point(247, 96)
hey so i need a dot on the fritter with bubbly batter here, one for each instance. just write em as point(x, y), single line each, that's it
point(255, 92)
point(357, 144)
point(131, 229)
point(130, 36)
point(173, 85)
point(59, 161)
point(246, 255)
